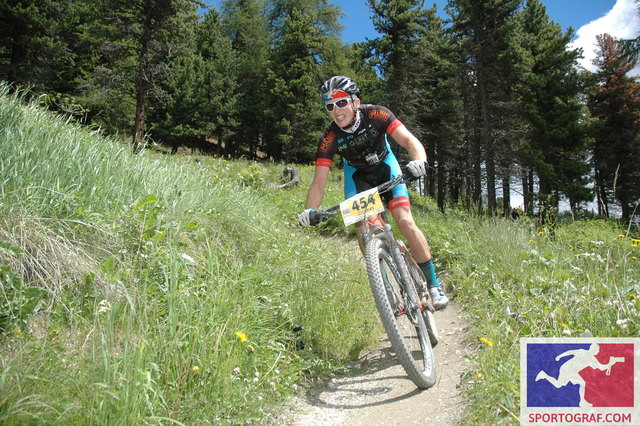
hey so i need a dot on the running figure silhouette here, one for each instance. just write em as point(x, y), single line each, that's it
point(569, 371)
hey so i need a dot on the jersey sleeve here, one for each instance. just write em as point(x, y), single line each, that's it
point(383, 119)
point(327, 148)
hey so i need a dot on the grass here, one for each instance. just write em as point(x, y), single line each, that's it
point(157, 289)
point(516, 279)
point(154, 289)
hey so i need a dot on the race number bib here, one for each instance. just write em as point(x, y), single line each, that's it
point(360, 206)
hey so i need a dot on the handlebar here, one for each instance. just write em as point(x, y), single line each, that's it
point(320, 216)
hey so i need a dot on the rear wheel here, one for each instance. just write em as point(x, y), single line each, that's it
point(400, 313)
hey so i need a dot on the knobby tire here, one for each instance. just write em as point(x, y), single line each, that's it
point(409, 338)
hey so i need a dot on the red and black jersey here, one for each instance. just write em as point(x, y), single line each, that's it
point(369, 137)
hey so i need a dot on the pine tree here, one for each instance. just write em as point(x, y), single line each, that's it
point(303, 30)
point(615, 103)
point(131, 42)
point(556, 143)
point(31, 49)
point(246, 26)
point(402, 25)
point(487, 28)
point(199, 102)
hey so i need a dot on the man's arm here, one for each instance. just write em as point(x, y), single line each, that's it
point(407, 140)
point(316, 190)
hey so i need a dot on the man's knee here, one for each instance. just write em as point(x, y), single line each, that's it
point(405, 221)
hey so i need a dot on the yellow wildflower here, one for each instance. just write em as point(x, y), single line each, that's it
point(635, 240)
point(241, 336)
point(621, 235)
point(541, 233)
point(564, 325)
point(250, 348)
point(487, 341)
point(478, 376)
point(195, 368)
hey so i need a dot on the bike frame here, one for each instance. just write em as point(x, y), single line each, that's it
point(385, 232)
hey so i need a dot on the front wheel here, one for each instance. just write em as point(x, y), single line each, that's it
point(400, 313)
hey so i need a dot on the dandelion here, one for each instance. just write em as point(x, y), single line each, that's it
point(487, 341)
point(541, 233)
point(250, 348)
point(195, 368)
point(633, 296)
point(621, 235)
point(241, 336)
point(531, 241)
point(635, 240)
point(564, 325)
point(478, 376)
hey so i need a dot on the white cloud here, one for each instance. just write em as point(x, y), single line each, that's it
point(622, 21)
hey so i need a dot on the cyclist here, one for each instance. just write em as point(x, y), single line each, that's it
point(358, 133)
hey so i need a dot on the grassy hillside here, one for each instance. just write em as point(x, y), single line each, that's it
point(137, 288)
point(159, 289)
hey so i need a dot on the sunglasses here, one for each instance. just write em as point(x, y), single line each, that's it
point(341, 103)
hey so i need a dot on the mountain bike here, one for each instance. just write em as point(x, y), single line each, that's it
point(398, 285)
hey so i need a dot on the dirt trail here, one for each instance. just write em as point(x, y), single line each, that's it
point(379, 393)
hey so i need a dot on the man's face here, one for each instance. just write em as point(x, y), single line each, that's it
point(341, 107)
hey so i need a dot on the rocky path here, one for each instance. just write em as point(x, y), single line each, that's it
point(379, 393)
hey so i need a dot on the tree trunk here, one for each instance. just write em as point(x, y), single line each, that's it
point(142, 82)
point(487, 141)
point(506, 196)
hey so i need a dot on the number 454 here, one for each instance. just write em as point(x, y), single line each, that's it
point(363, 202)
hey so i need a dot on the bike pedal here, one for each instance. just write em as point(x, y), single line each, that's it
point(399, 312)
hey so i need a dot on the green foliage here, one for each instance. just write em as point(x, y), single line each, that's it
point(30, 42)
point(133, 253)
point(17, 302)
point(519, 280)
point(200, 101)
point(556, 144)
point(305, 31)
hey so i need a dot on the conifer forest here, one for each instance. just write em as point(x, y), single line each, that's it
point(494, 92)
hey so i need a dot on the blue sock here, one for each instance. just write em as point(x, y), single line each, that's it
point(430, 273)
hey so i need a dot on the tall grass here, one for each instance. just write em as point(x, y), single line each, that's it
point(169, 289)
point(517, 279)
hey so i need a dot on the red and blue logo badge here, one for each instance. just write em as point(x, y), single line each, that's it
point(580, 380)
point(334, 94)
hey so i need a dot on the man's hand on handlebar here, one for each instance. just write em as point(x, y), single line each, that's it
point(417, 168)
point(308, 218)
